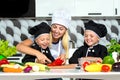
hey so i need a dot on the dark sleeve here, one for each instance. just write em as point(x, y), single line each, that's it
point(103, 52)
point(77, 54)
point(28, 58)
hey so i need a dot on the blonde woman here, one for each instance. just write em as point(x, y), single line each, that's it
point(59, 38)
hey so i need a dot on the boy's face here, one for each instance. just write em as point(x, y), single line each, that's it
point(90, 37)
point(43, 40)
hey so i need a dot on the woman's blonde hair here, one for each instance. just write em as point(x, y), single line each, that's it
point(64, 42)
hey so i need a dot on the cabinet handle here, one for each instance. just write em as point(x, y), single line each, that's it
point(94, 13)
point(115, 11)
point(50, 14)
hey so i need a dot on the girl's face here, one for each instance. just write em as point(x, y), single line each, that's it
point(43, 40)
point(58, 31)
point(90, 37)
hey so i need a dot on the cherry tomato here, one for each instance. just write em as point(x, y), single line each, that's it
point(105, 68)
point(85, 64)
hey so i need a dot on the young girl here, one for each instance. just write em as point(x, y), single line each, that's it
point(41, 34)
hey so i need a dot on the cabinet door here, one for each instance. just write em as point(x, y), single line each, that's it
point(45, 8)
point(117, 7)
point(94, 7)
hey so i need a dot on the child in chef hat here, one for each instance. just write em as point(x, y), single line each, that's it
point(41, 34)
point(91, 50)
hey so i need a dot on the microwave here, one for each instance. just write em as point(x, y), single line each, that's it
point(17, 8)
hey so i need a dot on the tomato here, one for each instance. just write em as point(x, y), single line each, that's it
point(85, 64)
point(105, 68)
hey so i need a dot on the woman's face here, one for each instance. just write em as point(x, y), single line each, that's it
point(90, 37)
point(43, 40)
point(57, 31)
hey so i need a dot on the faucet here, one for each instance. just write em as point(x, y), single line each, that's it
point(71, 44)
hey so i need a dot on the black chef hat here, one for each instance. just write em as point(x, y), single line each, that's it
point(40, 29)
point(99, 29)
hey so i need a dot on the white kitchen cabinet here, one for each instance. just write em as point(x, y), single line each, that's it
point(94, 8)
point(45, 8)
point(117, 7)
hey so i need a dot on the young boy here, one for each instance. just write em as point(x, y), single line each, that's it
point(91, 48)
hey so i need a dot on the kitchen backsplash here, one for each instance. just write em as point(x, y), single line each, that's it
point(16, 30)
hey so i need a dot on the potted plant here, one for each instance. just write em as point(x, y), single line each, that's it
point(114, 49)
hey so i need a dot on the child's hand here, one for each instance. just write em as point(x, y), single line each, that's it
point(41, 58)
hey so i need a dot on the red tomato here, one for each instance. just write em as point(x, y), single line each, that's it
point(85, 64)
point(105, 68)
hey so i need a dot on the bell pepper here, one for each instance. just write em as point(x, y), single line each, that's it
point(57, 62)
point(2, 57)
point(4, 61)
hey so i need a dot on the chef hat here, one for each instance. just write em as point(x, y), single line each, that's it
point(61, 17)
point(99, 29)
point(39, 29)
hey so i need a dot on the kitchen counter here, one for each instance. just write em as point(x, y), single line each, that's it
point(61, 73)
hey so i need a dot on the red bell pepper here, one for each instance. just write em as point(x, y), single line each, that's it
point(4, 61)
point(57, 62)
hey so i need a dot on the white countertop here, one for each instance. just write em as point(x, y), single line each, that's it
point(61, 73)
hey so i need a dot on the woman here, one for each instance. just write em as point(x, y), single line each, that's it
point(59, 37)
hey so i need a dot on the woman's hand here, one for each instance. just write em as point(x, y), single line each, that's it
point(62, 57)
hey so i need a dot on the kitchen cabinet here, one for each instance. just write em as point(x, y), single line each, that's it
point(117, 7)
point(45, 8)
point(94, 7)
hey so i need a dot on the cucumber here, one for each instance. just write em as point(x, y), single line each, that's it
point(14, 62)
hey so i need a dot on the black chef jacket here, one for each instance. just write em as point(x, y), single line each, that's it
point(96, 51)
point(30, 58)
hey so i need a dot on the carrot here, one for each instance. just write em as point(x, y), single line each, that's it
point(16, 70)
